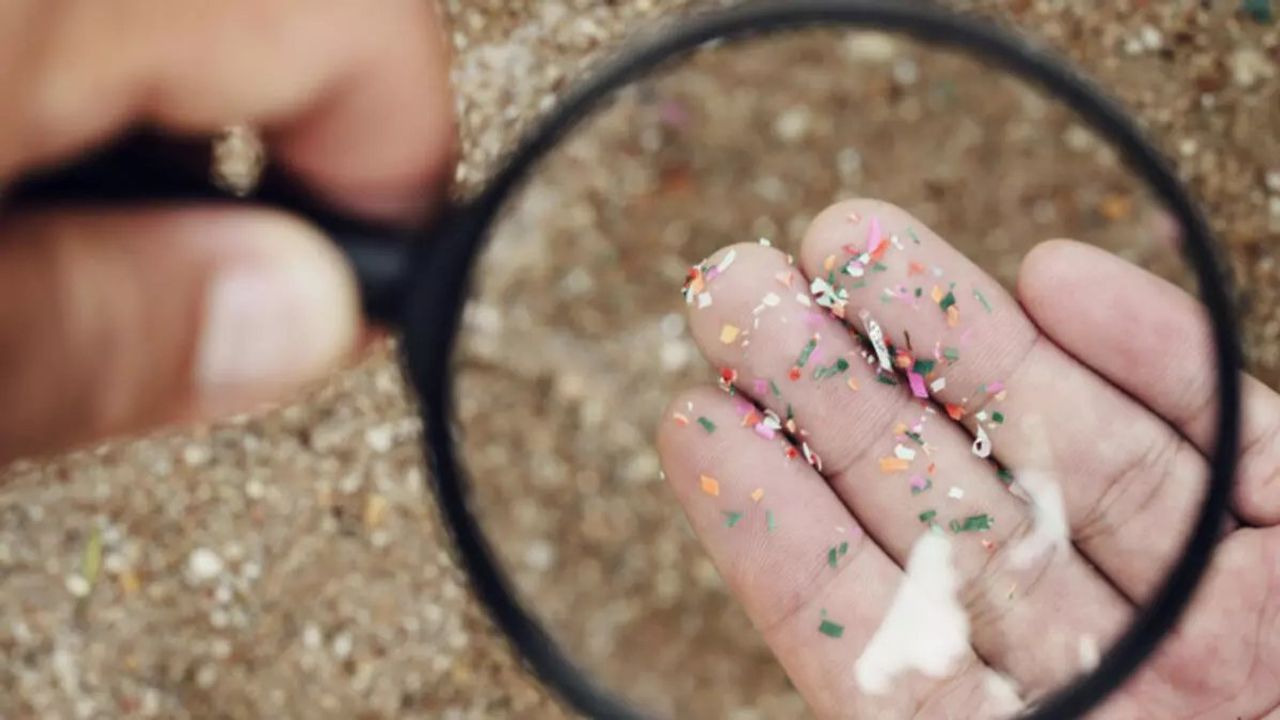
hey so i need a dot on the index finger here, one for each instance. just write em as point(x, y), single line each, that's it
point(353, 94)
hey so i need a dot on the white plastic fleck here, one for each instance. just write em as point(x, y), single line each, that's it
point(876, 336)
point(982, 444)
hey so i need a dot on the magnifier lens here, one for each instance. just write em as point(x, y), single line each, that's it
point(930, 464)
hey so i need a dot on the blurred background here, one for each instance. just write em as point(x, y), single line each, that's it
point(291, 564)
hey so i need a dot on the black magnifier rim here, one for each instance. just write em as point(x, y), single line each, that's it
point(436, 303)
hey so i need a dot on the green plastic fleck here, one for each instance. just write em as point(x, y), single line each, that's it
point(973, 523)
point(928, 516)
point(835, 369)
point(707, 424)
point(947, 301)
point(731, 518)
point(982, 299)
point(831, 629)
point(806, 352)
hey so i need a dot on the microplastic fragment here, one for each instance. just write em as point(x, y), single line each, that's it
point(771, 300)
point(973, 523)
point(680, 418)
point(757, 494)
point(982, 443)
point(853, 384)
point(876, 336)
point(947, 301)
point(806, 352)
point(997, 418)
point(704, 301)
point(920, 484)
point(917, 385)
point(874, 235)
point(837, 367)
point(829, 295)
point(768, 520)
point(727, 260)
point(928, 516)
point(951, 354)
point(729, 333)
point(811, 457)
point(982, 299)
point(893, 464)
point(953, 316)
point(710, 485)
point(830, 629)
point(902, 452)
point(706, 424)
point(832, 557)
point(1005, 476)
point(938, 385)
point(955, 412)
point(956, 493)
point(773, 387)
point(936, 294)
point(731, 518)
point(886, 378)
point(924, 366)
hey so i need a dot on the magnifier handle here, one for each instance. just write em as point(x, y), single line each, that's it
point(143, 169)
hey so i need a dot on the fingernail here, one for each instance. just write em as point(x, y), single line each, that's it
point(268, 328)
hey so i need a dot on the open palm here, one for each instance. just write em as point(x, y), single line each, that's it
point(1038, 460)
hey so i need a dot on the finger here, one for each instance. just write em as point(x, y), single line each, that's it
point(111, 322)
point(356, 93)
point(1128, 481)
point(900, 466)
point(770, 526)
point(1152, 340)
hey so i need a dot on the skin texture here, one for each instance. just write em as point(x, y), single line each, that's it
point(103, 314)
point(1124, 447)
point(103, 317)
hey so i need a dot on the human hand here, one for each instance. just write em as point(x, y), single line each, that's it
point(114, 321)
point(1095, 390)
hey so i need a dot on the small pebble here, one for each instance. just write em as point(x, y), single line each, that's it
point(78, 586)
point(203, 565)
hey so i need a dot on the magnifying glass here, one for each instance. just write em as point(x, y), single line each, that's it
point(544, 333)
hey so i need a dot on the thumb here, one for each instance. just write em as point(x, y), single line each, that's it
point(116, 321)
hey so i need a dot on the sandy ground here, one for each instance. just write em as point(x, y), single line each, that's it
point(291, 565)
